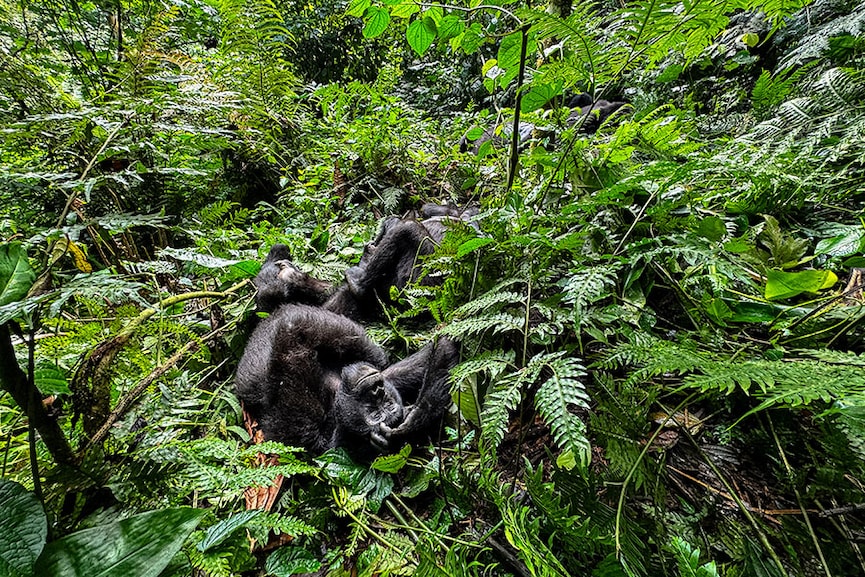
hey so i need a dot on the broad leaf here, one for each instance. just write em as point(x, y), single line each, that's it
point(291, 561)
point(785, 285)
point(140, 546)
point(358, 7)
point(217, 534)
point(16, 275)
point(421, 33)
point(23, 530)
point(404, 10)
point(539, 96)
point(392, 463)
point(450, 27)
point(377, 20)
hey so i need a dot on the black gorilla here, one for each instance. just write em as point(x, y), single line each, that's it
point(586, 114)
point(589, 115)
point(390, 260)
point(313, 378)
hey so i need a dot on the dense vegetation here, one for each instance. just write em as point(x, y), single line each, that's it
point(661, 323)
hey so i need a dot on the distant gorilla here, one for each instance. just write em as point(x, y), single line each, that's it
point(390, 260)
point(595, 113)
point(587, 114)
point(313, 378)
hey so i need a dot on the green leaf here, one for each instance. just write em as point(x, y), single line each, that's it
point(51, 381)
point(472, 245)
point(358, 7)
point(140, 546)
point(509, 50)
point(566, 460)
point(217, 534)
point(392, 463)
point(404, 10)
point(377, 20)
point(784, 285)
point(750, 39)
point(421, 33)
point(450, 26)
point(846, 243)
point(23, 530)
point(712, 228)
point(472, 38)
point(539, 96)
point(16, 275)
point(291, 561)
point(204, 260)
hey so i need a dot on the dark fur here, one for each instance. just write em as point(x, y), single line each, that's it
point(390, 260)
point(586, 114)
point(312, 378)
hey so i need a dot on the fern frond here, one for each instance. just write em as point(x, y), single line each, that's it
point(789, 383)
point(523, 533)
point(489, 300)
point(501, 399)
point(556, 396)
point(493, 363)
point(654, 357)
point(833, 357)
point(496, 322)
point(588, 285)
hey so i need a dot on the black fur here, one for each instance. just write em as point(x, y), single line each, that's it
point(586, 114)
point(390, 260)
point(312, 378)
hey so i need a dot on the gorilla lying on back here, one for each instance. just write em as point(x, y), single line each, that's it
point(313, 378)
point(390, 260)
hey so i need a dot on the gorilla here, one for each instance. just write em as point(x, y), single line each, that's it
point(389, 260)
point(586, 114)
point(314, 379)
point(589, 115)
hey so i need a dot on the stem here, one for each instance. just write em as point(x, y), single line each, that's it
point(798, 497)
point(514, 162)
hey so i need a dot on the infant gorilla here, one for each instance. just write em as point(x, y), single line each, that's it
point(312, 378)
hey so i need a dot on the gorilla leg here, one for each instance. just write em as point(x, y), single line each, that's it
point(390, 260)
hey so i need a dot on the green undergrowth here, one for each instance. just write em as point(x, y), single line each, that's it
point(660, 324)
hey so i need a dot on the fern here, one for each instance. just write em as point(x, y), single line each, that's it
point(653, 357)
point(555, 397)
point(786, 383)
point(815, 41)
point(502, 398)
point(523, 534)
point(770, 90)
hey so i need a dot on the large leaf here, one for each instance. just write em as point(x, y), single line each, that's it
point(291, 561)
point(421, 34)
point(23, 530)
point(785, 285)
point(217, 534)
point(16, 275)
point(140, 546)
point(539, 96)
point(377, 20)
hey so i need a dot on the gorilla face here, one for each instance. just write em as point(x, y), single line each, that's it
point(366, 403)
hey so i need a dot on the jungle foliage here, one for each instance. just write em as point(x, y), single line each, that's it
point(661, 323)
